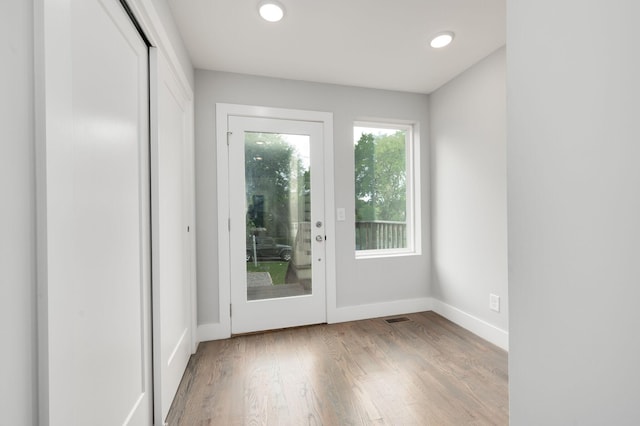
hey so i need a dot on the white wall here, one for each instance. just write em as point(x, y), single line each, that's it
point(469, 191)
point(18, 388)
point(574, 212)
point(359, 282)
point(163, 10)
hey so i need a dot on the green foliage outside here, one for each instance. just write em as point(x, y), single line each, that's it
point(269, 160)
point(380, 177)
point(277, 270)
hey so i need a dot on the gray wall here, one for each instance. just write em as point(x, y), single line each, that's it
point(573, 81)
point(469, 190)
point(18, 389)
point(358, 282)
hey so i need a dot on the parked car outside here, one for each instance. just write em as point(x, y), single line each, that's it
point(266, 248)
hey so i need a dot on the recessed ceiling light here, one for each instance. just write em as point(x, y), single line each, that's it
point(271, 11)
point(442, 40)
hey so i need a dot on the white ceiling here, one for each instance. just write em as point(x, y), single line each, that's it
point(380, 44)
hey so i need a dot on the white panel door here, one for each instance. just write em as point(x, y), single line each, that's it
point(94, 218)
point(173, 237)
point(277, 229)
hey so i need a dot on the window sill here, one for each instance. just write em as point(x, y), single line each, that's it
point(376, 254)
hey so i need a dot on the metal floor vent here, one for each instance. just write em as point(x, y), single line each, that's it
point(398, 319)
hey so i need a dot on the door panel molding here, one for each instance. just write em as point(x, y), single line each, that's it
point(93, 215)
point(223, 112)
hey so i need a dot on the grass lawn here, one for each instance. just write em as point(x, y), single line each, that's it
point(277, 269)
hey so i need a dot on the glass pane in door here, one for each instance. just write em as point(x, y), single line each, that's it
point(278, 215)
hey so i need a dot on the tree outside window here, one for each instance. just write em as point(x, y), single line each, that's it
point(381, 183)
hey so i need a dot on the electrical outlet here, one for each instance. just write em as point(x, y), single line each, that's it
point(341, 213)
point(494, 302)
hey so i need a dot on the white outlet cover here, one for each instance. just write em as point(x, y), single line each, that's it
point(494, 302)
point(341, 214)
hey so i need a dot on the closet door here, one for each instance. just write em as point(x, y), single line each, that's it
point(173, 239)
point(94, 217)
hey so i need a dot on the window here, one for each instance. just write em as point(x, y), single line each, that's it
point(385, 189)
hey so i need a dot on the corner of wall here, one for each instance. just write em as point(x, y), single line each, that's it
point(467, 118)
point(477, 326)
point(212, 331)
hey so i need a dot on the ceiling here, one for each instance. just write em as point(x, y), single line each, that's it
point(380, 44)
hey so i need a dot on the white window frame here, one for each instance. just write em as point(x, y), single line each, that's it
point(412, 162)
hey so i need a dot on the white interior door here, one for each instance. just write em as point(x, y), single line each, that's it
point(94, 218)
point(172, 236)
point(277, 230)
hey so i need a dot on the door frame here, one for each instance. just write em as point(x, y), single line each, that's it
point(223, 111)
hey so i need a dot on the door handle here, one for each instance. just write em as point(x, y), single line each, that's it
point(319, 238)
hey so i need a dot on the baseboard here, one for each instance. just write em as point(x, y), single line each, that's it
point(376, 310)
point(212, 331)
point(217, 331)
point(489, 332)
point(475, 325)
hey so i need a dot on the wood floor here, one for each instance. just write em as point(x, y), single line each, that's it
point(424, 371)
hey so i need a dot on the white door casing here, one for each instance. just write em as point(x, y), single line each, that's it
point(280, 312)
point(173, 233)
point(93, 216)
point(222, 329)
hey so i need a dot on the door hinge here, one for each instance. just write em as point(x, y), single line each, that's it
point(229, 224)
point(230, 310)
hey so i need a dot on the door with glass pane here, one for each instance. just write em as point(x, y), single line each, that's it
point(277, 240)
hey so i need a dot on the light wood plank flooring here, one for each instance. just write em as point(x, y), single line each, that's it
point(425, 371)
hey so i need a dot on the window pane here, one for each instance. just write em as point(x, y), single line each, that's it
point(278, 201)
point(381, 188)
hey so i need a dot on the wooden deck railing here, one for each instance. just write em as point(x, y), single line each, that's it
point(380, 234)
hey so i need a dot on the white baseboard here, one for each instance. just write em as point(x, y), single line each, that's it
point(489, 332)
point(475, 325)
point(217, 331)
point(376, 310)
point(212, 331)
